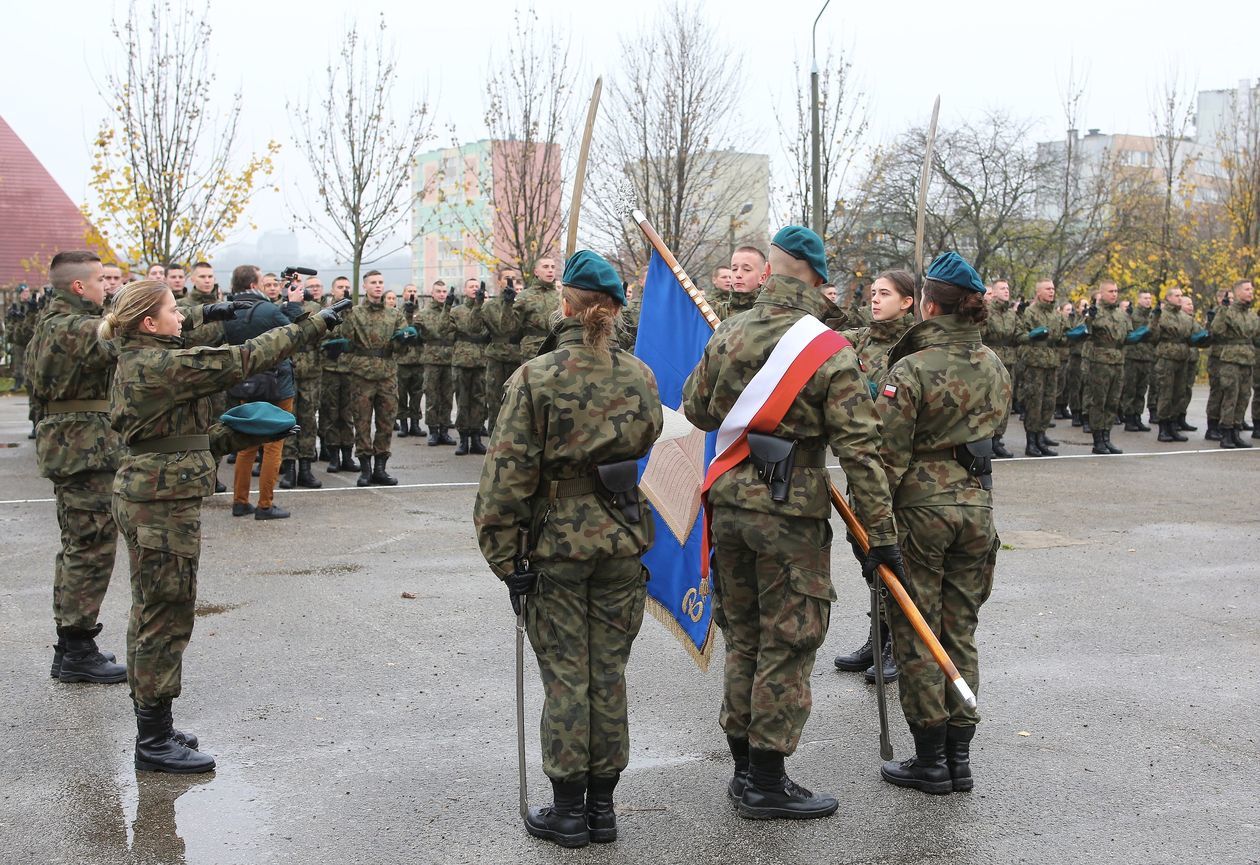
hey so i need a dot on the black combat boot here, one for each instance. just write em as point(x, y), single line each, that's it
point(1032, 447)
point(1045, 445)
point(1134, 424)
point(601, 817)
point(433, 438)
point(860, 658)
point(885, 658)
point(365, 472)
point(288, 475)
point(82, 661)
point(475, 445)
point(1182, 426)
point(415, 428)
point(305, 479)
point(926, 770)
point(771, 794)
point(59, 652)
point(563, 822)
point(1213, 433)
point(1227, 437)
point(188, 740)
point(1175, 432)
point(739, 752)
point(1165, 434)
point(1151, 419)
point(444, 437)
point(1100, 446)
point(1111, 449)
point(463, 444)
point(347, 458)
point(958, 756)
point(1078, 418)
point(1061, 412)
point(999, 449)
point(1236, 433)
point(400, 428)
point(157, 749)
point(334, 459)
point(1085, 427)
point(380, 477)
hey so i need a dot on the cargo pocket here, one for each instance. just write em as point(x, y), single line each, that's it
point(806, 612)
point(638, 604)
point(168, 563)
point(538, 624)
point(990, 565)
point(715, 596)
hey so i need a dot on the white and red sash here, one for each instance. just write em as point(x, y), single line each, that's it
point(798, 354)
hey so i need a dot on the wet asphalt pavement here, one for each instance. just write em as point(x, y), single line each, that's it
point(1120, 663)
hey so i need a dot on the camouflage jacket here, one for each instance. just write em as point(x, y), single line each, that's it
point(834, 408)
point(20, 320)
point(737, 302)
point(872, 344)
point(945, 388)
point(628, 329)
point(564, 413)
point(370, 327)
point(842, 318)
point(196, 298)
point(1107, 330)
point(66, 361)
point(410, 353)
point(470, 333)
point(1144, 350)
point(308, 362)
point(715, 296)
point(1001, 331)
point(1042, 353)
point(1170, 331)
point(535, 310)
point(162, 389)
point(503, 328)
point(1236, 332)
point(437, 334)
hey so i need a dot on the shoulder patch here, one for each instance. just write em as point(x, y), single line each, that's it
point(889, 391)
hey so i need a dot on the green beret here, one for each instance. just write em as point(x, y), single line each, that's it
point(803, 244)
point(952, 268)
point(258, 419)
point(590, 271)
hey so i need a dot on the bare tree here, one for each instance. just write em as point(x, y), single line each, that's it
point(1172, 117)
point(1239, 143)
point(360, 154)
point(165, 183)
point(671, 149)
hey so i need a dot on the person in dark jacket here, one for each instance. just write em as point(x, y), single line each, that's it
point(261, 317)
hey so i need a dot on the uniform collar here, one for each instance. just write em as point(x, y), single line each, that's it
point(942, 330)
point(790, 292)
point(569, 332)
point(68, 301)
point(894, 328)
point(136, 341)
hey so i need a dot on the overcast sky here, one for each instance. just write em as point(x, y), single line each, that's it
point(977, 55)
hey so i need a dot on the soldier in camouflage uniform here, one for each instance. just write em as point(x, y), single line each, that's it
point(1235, 331)
point(1170, 333)
point(628, 331)
point(503, 351)
point(1067, 377)
point(437, 340)
point(942, 402)
point(536, 307)
point(20, 322)
point(376, 333)
point(468, 366)
point(299, 450)
point(719, 285)
point(1000, 333)
point(410, 371)
point(336, 423)
point(1042, 328)
point(585, 607)
point(1108, 328)
point(749, 271)
point(1139, 361)
point(772, 551)
point(159, 405)
point(69, 371)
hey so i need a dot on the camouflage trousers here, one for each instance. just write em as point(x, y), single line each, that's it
point(1065, 379)
point(1214, 388)
point(497, 373)
point(1039, 393)
point(410, 391)
point(438, 394)
point(581, 622)
point(1137, 381)
point(335, 422)
point(89, 539)
point(772, 600)
point(950, 552)
point(1235, 386)
point(1073, 390)
point(18, 366)
point(1169, 388)
point(1001, 431)
point(305, 409)
point(163, 545)
point(1103, 401)
point(470, 397)
point(369, 399)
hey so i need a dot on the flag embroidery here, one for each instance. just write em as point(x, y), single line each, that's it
point(889, 391)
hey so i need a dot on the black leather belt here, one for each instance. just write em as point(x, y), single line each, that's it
point(171, 445)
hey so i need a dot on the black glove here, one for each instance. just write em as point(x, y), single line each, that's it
point(333, 315)
point(409, 306)
point(509, 294)
point(1211, 315)
point(223, 311)
point(889, 554)
point(858, 552)
point(1159, 310)
point(1093, 310)
point(1021, 306)
point(450, 300)
point(481, 292)
point(519, 585)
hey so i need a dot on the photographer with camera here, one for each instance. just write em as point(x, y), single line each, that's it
point(503, 352)
point(276, 385)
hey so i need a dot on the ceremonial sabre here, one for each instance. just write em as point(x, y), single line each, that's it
point(924, 176)
point(520, 707)
point(846, 513)
point(579, 180)
point(877, 645)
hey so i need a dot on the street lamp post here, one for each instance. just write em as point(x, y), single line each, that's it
point(815, 134)
point(730, 237)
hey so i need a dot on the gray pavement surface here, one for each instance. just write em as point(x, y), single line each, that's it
point(1120, 661)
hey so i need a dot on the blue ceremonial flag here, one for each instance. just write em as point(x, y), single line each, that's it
point(671, 340)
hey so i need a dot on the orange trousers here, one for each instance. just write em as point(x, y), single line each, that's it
point(266, 476)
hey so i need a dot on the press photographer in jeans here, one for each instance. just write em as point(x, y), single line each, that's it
point(260, 318)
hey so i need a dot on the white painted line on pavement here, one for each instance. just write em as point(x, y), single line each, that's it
point(279, 492)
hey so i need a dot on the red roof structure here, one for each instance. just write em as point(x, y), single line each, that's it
point(37, 218)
